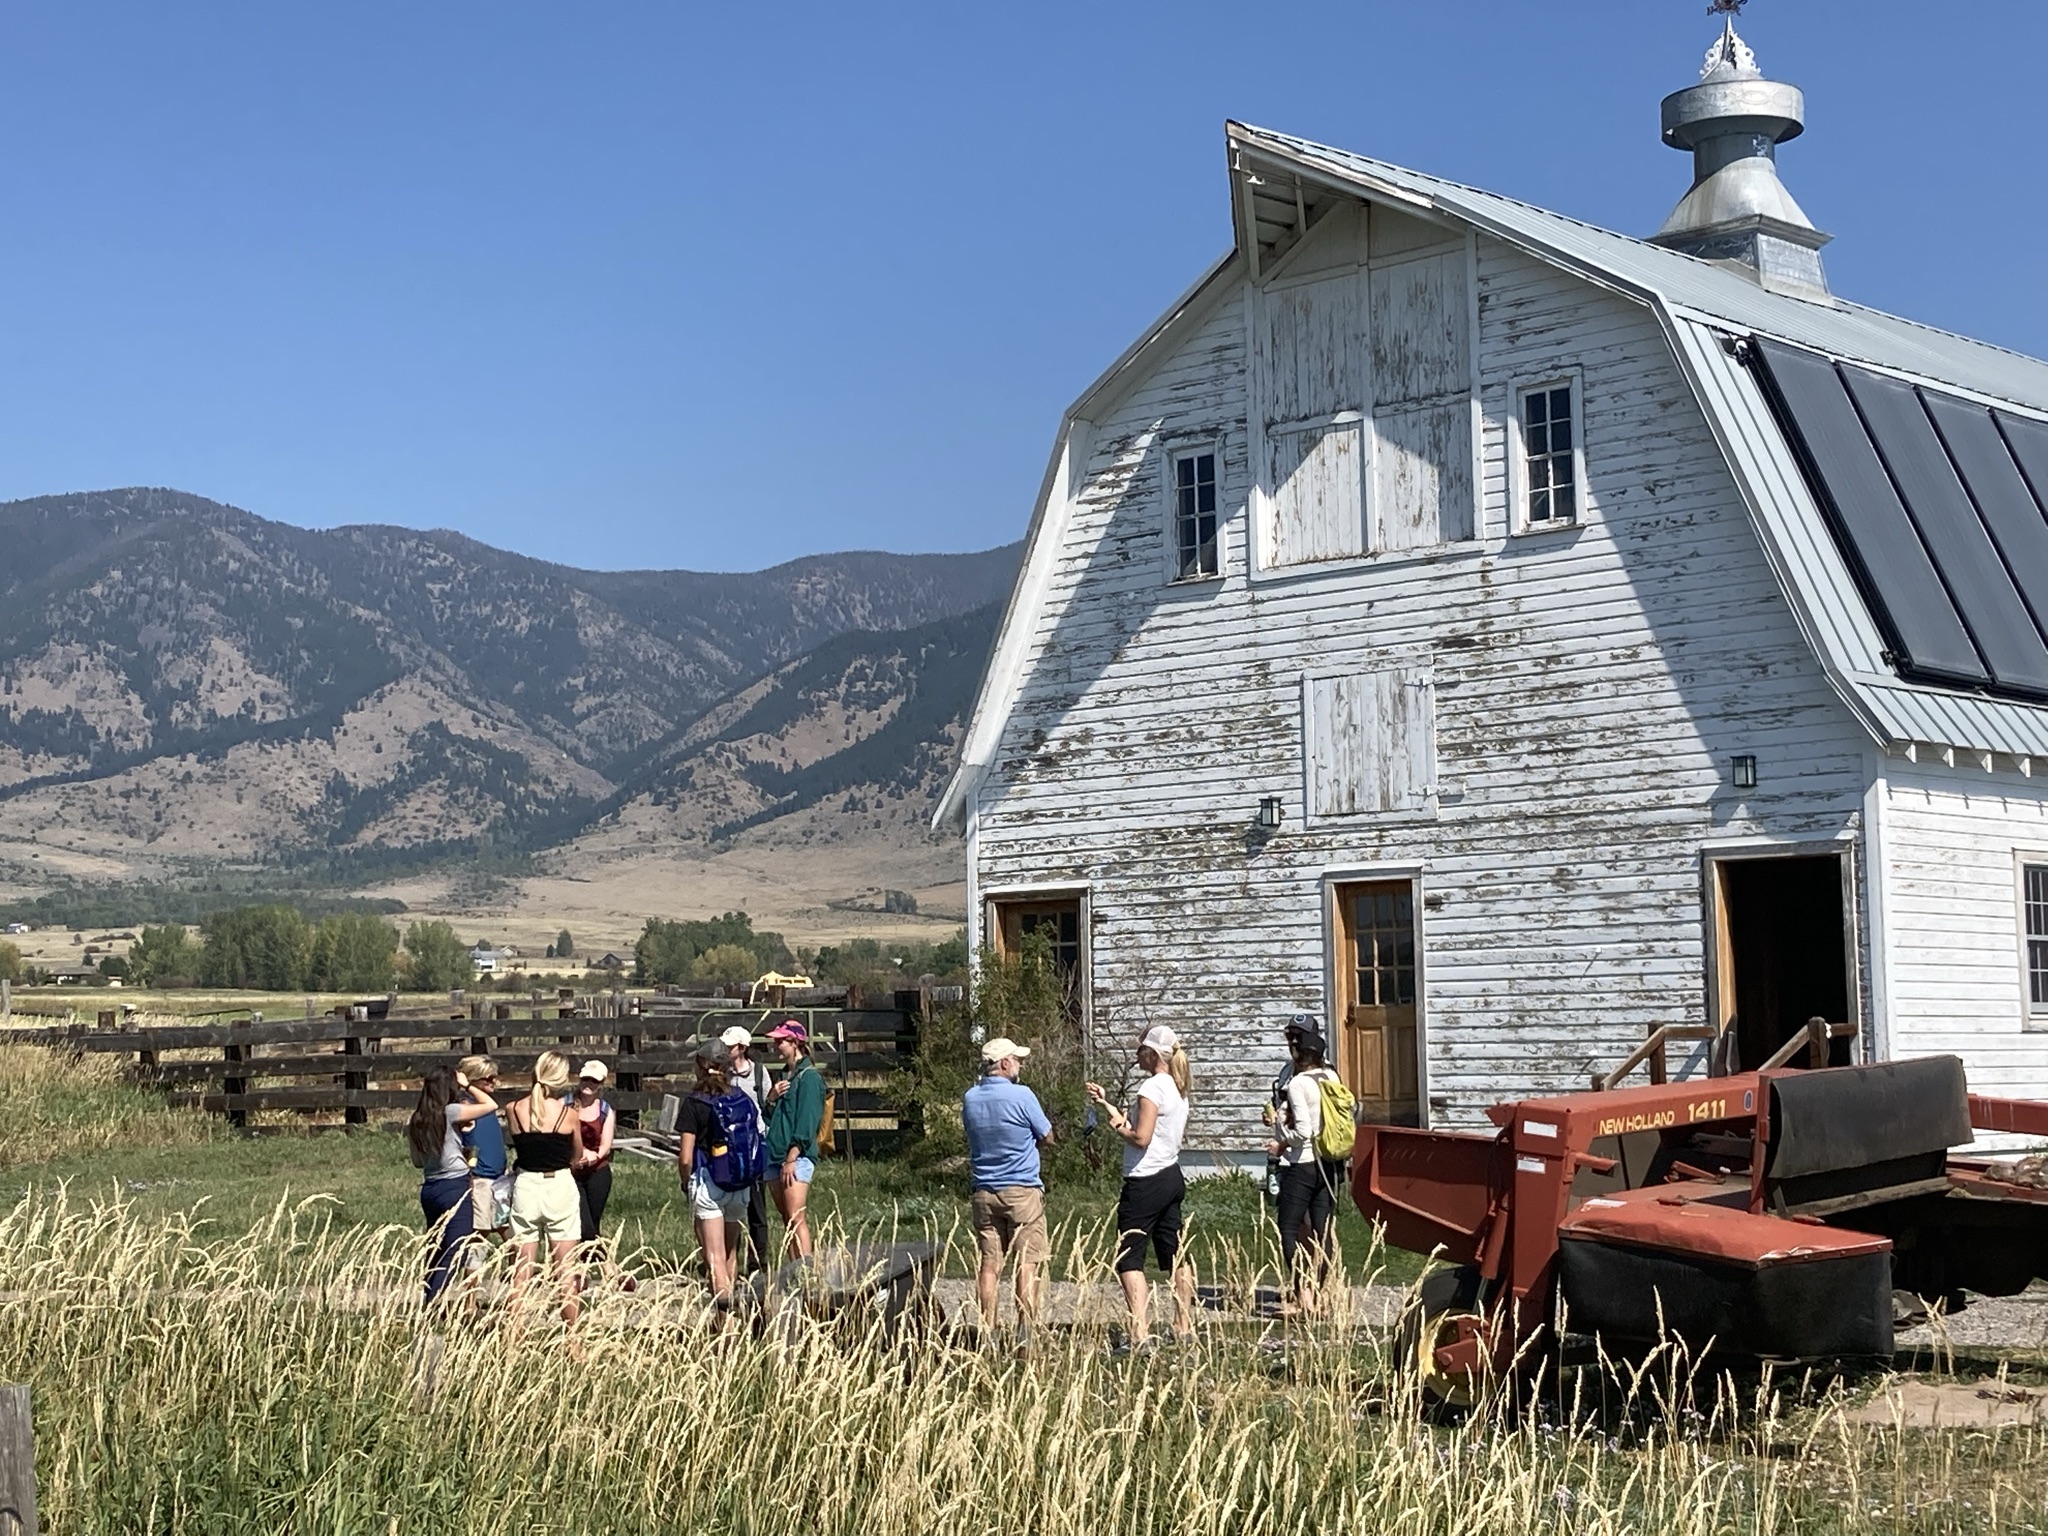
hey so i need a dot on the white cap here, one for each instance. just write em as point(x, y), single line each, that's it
point(1161, 1039)
point(737, 1035)
point(593, 1072)
point(1003, 1046)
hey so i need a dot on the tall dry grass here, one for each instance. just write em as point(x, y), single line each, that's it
point(58, 1104)
point(181, 1386)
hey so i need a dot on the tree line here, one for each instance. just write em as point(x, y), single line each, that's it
point(279, 949)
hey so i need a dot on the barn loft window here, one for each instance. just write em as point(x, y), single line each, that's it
point(2034, 901)
point(1552, 467)
point(1194, 516)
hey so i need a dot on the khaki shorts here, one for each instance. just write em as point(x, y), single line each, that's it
point(1011, 1221)
point(490, 1202)
point(545, 1208)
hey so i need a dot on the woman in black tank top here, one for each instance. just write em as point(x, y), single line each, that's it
point(544, 1203)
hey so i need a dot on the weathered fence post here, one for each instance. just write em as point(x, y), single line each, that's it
point(353, 1112)
point(230, 1085)
point(628, 1072)
point(17, 1463)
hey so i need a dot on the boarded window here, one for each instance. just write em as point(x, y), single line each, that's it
point(2035, 879)
point(1313, 383)
point(1318, 493)
point(1371, 742)
point(1422, 405)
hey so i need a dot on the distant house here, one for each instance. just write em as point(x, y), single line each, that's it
point(73, 975)
point(611, 960)
point(17, 927)
point(488, 961)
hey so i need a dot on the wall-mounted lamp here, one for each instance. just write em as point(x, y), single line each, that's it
point(1745, 771)
point(1270, 812)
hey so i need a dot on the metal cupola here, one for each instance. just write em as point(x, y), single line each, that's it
point(1738, 211)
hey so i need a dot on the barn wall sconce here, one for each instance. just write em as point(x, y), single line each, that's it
point(1270, 813)
point(1745, 772)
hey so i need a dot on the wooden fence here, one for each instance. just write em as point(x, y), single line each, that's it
point(365, 1061)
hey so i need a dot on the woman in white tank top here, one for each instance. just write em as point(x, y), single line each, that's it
point(1148, 1208)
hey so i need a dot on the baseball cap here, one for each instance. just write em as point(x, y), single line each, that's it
point(594, 1072)
point(1001, 1046)
point(713, 1052)
point(1311, 1040)
point(1161, 1039)
point(790, 1029)
point(737, 1035)
point(1300, 1023)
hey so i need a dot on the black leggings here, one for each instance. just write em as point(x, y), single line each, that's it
point(593, 1190)
point(1308, 1197)
point(1149, 1208)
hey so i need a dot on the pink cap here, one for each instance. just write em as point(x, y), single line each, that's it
point(789, 1029)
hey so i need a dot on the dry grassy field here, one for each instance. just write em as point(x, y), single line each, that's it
point(265, 1369)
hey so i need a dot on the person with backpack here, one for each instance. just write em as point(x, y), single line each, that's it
point(721, 1157)
point(1313, 1140)
point(796, 1115)
point(1005, 1127)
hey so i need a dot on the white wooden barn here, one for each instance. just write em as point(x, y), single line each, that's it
point(1498, 637)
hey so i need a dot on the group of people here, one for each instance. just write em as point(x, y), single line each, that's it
point(748, 1137)
point(550, 1189)
point(1309, 1134)
point(744, 1139)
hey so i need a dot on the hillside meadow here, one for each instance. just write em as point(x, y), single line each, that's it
point(221, 1335)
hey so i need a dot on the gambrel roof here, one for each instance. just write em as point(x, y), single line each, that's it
point(1279, 184)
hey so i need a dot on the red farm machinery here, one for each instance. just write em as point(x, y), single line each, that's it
point(1772, 1214)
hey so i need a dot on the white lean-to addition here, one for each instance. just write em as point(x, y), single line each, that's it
point(1470, 545)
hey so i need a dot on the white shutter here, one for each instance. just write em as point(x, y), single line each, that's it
point(1312, 379)
point(1317, 475)
point(1422, 382)
point(1371, 742)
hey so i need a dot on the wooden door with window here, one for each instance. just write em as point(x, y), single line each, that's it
point(1377, 1042)
point(1056, 920)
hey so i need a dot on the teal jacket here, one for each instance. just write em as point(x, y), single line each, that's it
point(794, 1118)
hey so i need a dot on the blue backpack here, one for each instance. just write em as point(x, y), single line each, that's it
point(743, 1159)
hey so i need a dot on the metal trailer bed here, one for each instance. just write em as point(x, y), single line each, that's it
point(1772, 1213)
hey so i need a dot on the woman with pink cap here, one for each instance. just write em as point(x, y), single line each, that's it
point(796, 1111)
point(595, 1127)
point(1148, 1209)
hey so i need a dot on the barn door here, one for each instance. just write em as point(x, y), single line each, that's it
point(1377, 1048)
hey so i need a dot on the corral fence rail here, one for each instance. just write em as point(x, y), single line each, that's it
point(362, 1062)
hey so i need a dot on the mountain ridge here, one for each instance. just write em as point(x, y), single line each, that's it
point(185, 683)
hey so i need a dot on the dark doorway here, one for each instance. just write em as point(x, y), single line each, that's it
point(1783, 941)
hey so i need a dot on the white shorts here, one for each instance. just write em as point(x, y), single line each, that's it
point(545, 1208)
point(708, 1202)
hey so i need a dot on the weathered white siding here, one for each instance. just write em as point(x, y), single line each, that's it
point(1588, 689)
point(1952, 840)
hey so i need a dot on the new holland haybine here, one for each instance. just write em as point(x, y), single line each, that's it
point(1772, 1214)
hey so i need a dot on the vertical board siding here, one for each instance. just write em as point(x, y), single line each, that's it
point(1372, 744)
point(1318, 481)
point(1954, 838)
point(1588, 690)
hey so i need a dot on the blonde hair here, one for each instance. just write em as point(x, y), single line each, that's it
point(1174, 1066)
point(477, 1068)
point(551, 1075)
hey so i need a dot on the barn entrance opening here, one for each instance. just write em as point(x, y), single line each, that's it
point(1783, 945)
point(1378, 1043)
point(1054, 920)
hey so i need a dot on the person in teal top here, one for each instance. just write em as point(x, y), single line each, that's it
point(796, 1109)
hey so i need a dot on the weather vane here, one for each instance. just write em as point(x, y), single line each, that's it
point(1728, 8)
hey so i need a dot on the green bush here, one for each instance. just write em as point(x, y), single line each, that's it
point(436, 960)
point(1021, 997)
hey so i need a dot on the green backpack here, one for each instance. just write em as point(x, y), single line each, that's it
point(1339, 1130)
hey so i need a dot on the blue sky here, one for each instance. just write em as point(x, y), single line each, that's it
point(661, 284)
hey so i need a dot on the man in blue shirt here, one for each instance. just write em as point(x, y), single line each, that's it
point(1005, 1128)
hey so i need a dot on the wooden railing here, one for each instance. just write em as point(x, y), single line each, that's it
point(354, 1066)
point(1814, 1037)
point(1652, 1052)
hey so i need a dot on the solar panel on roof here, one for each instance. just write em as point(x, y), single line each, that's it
point(1976, 583)
point(2004, 501)
point(1850, 481)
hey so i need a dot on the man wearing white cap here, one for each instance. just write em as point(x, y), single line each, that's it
point(1005, 1127)
point(751, 1078)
